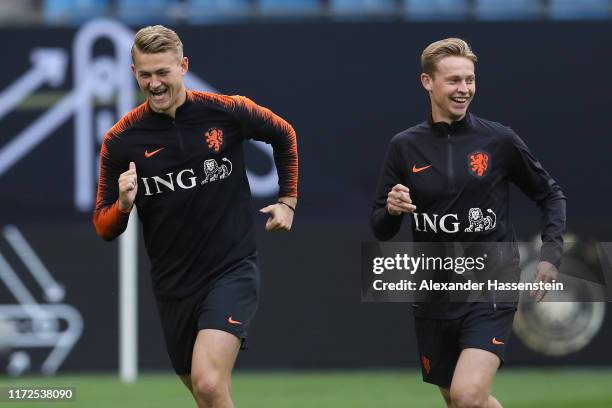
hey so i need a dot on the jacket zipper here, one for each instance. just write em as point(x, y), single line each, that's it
point(449, 163)
point(178, 136)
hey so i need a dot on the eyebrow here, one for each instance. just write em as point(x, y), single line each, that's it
point(141, 71)
point(459, 77)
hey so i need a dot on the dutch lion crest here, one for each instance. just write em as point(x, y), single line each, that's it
point(214, 139)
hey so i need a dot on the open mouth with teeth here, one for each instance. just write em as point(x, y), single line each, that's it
point(158, 94)
point(460, 99)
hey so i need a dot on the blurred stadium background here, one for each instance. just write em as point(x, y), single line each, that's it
point(345, 74)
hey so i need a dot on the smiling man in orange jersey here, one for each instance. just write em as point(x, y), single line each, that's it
point(178, 157)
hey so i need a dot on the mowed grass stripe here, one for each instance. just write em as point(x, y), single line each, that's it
point(336, 389)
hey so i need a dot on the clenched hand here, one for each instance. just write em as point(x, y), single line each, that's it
point(399, 201)
point(128, 187)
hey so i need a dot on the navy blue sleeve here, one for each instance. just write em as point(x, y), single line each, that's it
point(384, 225)
point(527, 173)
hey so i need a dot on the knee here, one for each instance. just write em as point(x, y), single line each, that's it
point(209, 387)
point(468, 398)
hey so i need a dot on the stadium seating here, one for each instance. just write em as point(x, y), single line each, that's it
point(579, 9)
point(432, 10)
point(304, 7)
point(17, 12)
point(509, 10)
point(139, 12)
point(357, 7)
point(212, 11)
point(73, 12)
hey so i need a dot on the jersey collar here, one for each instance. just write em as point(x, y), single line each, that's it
point(458, 126)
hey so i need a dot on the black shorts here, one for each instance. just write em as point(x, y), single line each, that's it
point(228, 304)
point(441, 341)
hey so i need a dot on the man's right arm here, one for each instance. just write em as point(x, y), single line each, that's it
point(385, 225)
point(109, 218)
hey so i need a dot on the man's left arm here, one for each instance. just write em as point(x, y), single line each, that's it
point(529, 175)
point(263, 125)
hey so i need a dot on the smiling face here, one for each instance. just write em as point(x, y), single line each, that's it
point(451, 88)
point(160, 76)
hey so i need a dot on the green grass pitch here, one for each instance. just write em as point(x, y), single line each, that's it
point(566, 388)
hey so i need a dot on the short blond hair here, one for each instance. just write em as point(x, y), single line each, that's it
point(445, 48)
point(155, 39)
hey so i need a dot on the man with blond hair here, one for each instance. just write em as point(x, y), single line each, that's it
point(178, 158)
point(451, 173)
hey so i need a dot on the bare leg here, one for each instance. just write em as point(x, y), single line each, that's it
point(472, 379)
point(214, 355)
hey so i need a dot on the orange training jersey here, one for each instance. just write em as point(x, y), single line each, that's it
point(193, 195)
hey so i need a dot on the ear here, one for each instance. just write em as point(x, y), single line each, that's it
point(134, 69)
point(427, 82)
point(184, 65)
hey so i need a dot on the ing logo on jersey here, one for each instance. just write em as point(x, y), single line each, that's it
point(214, 139)
point(450, 223)
point(478, 163)
point(187, 179)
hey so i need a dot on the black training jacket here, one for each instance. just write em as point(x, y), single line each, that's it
point(459, 177)
point(193, 197)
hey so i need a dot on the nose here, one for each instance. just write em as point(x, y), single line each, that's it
point(155, 82)
point(463, 88)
